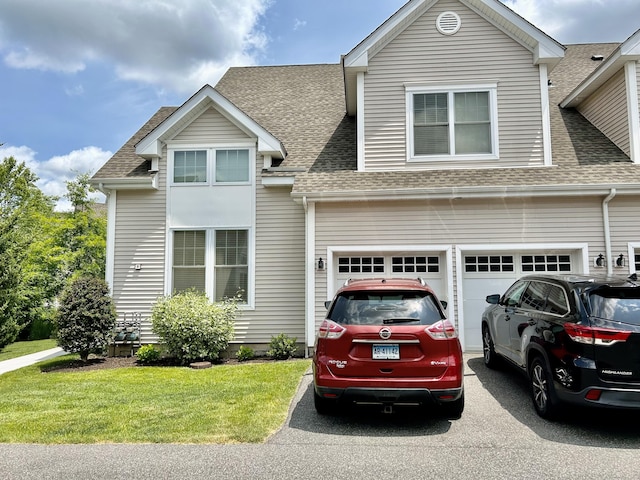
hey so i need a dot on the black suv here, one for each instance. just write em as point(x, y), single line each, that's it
point(576, 337)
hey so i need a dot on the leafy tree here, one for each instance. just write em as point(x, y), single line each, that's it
point(86, 316)
point(20, 204)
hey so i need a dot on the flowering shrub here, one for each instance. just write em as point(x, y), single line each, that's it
point(192, 328)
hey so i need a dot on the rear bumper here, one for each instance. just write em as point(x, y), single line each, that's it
point(609, 397)
point(390, 396)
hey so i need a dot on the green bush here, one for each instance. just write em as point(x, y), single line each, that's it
point(41, 329)
point(245, 353)
point(148, 354)
point(192, 328)
point(282, 347)
point(86, 316)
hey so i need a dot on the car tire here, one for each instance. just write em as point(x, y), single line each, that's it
point(324, 406)
point(488, 349)
point(453, 410)
point(542, 390)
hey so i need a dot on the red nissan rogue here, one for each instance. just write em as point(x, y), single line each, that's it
point(388, 342)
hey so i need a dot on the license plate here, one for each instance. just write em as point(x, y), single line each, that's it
point(386, 352)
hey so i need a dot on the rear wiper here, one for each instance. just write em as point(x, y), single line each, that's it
point(388, 321)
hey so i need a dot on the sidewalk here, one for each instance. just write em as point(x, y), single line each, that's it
point(26, 360)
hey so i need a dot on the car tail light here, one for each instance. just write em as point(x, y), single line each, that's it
point(595, 336)
point(331, 330)
point(441, 330)
point(593, 394)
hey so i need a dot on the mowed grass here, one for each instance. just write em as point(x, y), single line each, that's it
point(242, 403)
point(19, 349)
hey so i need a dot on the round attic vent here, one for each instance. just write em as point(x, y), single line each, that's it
point(448, 23)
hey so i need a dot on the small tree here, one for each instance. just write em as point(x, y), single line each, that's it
point(86, 316)
point(193, 328)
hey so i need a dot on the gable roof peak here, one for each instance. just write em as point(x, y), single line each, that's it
point(151, 145)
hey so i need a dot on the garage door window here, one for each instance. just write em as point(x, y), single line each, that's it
point(361, 265)
point(546, 263)
point(415, 264)
point(488, 263)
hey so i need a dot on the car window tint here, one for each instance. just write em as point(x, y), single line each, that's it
point(383, 307)
point(514, 294)
point(616, 304)
point(534, 297)
point(556, 301)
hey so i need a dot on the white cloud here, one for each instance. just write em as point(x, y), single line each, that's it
point(175, 45)
point(298, 24)
point(581, 21)
point(53, 173)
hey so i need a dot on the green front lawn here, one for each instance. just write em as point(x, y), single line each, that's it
point(19, 349)
point(243, 403)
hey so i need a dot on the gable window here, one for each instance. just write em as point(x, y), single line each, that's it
point(212, 166)
point(232, 166)
point(454, 123)
point(190, 166)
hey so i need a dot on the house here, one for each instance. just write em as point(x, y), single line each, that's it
point(457, 143)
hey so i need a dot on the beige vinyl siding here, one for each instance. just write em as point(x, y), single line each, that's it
point(478, 53)
point(457, 222)
point(280, 275)
point(140, 239)
point(624, 225)
point(210, 127)
point(607, 110)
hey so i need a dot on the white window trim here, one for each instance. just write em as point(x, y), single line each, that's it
point(491, 88)
point(211, 163)
point(209, 259)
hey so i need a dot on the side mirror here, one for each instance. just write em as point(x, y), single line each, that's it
point(327, 304)
point(493, 299)
point(444, 304)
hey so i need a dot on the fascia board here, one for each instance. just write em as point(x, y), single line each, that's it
point(151, 145)
point(470, 193)
point(278, 181)
point(137, 183)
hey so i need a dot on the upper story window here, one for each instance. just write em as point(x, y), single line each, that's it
point(232, 166)
point(190, 166)
point(455, 123)
point(212, 166)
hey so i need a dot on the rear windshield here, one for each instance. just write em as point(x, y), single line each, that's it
point(616, 304)
point(385, 308)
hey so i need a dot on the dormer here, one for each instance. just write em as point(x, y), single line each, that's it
point(608, 98)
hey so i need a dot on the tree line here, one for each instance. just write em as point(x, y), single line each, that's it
point(42, 250)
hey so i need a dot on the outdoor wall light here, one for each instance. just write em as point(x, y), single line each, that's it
point(320, 264)
point(599, 261)
point(620, 260)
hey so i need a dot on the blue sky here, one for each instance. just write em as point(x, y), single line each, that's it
point(79, 77)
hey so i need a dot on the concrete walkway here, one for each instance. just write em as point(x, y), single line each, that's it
point(26, 360)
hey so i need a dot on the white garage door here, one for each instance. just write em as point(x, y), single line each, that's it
point(485, 274)
point(430, 267)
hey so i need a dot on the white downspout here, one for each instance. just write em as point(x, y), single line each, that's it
point(607, 231)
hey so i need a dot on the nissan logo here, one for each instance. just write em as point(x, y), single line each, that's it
point(385, 333)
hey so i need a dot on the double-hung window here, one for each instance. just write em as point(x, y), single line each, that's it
point(211, 166)
point(446, 124)
point(213, 261)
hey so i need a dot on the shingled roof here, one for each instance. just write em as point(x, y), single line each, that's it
point(304, 107)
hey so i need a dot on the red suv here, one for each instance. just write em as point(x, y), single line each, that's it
point(388, 342)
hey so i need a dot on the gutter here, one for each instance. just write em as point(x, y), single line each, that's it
point(607, 231)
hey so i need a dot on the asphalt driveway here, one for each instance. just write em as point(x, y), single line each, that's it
point(499, 436)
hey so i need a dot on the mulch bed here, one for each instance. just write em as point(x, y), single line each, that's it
point(99, 362)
